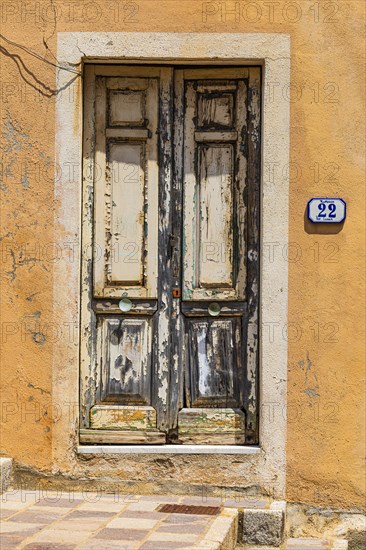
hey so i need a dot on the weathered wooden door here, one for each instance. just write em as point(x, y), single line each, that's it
point(171, 201)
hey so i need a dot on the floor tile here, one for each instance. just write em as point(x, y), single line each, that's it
point(160, 499)
point(14, 505)
point(61, 536)
point(18, 528)
point(143, 506)
point(121, 534)
point(89, 514)
point(10, 541)
point(81, 525)
point(188, 538)
point(200, 501)
point(35, 516)
point(6, 513)
point(102, 506)
point(49, 546)
point(187, 518)
point(94, 544)
point(139, 514)
point(192, 528)
point(132, 523)
point(58, 503)
point(159, 545)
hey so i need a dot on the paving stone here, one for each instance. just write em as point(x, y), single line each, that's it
point(89, 514)
point(132, 523)
point(188, 538)
point(159, 545)
point(10, 541)
point(144, 506)
point(138, 514)
point(263, 527)
point(58, 502)
point(193, 528)
point(14, 505)
point(81, 525)
point(19, 495)
point(6, 513)
point(121, 534)
point(93, 544)
point(187, 518)
point(102, 506)
point(49, 546)
point(50, 535)
point(202, 501)
point(18, 528)
point(160, 499)
point(31, 516)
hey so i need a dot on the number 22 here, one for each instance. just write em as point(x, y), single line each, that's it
point(331, 207)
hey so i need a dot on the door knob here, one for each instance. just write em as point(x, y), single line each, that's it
point(214, 309)
point(125, 305)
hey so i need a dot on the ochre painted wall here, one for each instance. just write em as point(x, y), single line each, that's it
point(326, 424)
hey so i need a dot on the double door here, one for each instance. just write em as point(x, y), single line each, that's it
point(170, 310)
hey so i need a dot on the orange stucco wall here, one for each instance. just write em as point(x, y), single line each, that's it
point(326, 425)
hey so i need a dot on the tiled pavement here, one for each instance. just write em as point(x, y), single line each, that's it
point(38, 520)
point(44, 520)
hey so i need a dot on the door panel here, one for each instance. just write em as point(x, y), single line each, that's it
point(211, 426)
point(214, 179)
point(125, 355)
point(126, 173)
point(214, 367)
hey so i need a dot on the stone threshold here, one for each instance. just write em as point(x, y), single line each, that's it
point(169, 449)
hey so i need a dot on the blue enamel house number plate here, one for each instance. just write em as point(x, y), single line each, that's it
point(326, 210)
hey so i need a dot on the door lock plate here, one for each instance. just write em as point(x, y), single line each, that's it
point(176, 292)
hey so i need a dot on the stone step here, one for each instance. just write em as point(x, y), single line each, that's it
point(5, 473)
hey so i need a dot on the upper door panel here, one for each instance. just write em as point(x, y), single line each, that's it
point(214, 211)
point(127, 172)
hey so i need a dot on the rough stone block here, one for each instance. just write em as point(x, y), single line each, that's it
point(263, 527)
point(5, 473)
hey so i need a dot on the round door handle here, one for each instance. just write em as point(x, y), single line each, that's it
point(125, 305)
point(214, 309)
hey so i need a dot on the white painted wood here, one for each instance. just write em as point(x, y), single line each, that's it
point(124, 355)
point(128, 133)
point(126, 163)
point(216, 198)
point(215, 136)
point(126, 180)
point(125, 107)
point(122, 417)
point(214, 182)
point(99, 187)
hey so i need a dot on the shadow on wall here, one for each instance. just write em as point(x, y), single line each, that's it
point(321, 228)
